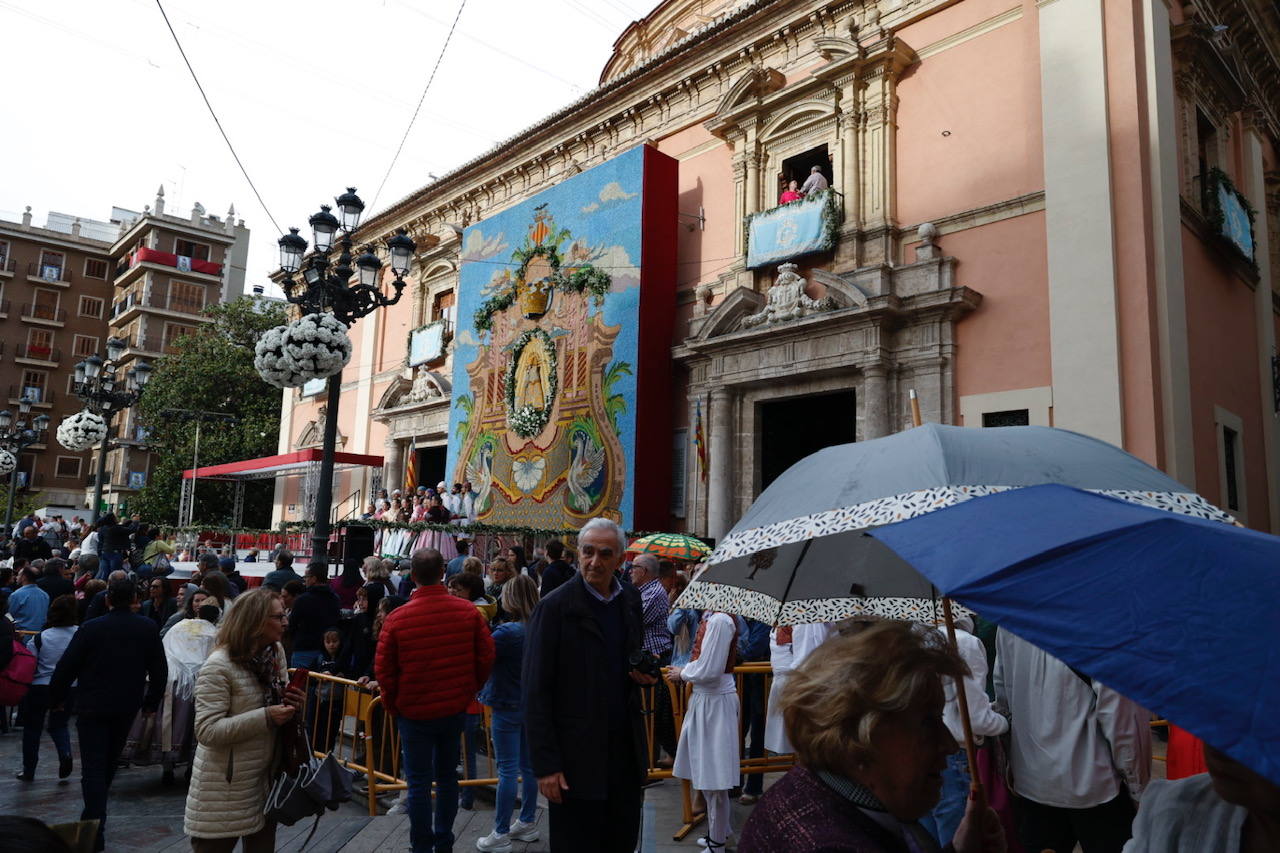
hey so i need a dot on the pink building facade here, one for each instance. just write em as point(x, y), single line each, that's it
point(1040, 214)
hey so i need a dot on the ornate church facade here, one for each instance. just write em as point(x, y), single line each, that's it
point(1060, 212)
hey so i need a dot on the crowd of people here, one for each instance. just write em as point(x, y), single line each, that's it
point(559, 646)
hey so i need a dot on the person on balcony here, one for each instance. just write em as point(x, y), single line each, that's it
point(791, 193)
point(816, 182)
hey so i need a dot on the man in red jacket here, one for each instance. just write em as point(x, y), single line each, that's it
point(434, 654)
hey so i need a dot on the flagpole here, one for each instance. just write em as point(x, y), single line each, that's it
point(962, 698)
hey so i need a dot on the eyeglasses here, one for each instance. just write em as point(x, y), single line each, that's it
point(279, 616)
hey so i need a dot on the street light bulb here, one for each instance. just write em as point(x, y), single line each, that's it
point(142, 373)
point(349, 208)
point(108, 381)
point(401, 247)
point(369, 266)
point(92, 366)
point(131, 378)
point(41, 423)
point(6, 418)
point(24, 405)
point(323, 226)
point(80, 368)
point(292, 248)
point(115, 349)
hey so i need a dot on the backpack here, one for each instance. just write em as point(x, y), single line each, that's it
point(18, 675)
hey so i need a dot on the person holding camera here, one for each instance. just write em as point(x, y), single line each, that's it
point(582, 700)
point(708, 753)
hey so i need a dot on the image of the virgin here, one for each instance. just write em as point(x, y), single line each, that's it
point(531, 376)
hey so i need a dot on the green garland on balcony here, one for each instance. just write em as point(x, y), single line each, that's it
point(294, 527)
point(1217, 218)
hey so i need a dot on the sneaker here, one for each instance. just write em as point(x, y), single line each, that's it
point(706, 842)
point(494, 842)
point(521, 831)
point(749, 799)
point(401, 805)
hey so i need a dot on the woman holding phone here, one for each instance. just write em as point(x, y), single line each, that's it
point(240, 698)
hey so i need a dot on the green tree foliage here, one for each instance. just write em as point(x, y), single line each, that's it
point(212, 370)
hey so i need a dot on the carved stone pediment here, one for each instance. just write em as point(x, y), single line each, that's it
point(312, 434)
point(425, 387)
point(746, 95)
point(787, 300)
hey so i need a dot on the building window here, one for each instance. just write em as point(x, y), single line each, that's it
point(68, 467)
point(4, 252)
point(95, 268)
point(194, 251)
point(1232, 488)
point(51, 265)
point(91, 306)
point(186, 297)
point(39, 343)
point(35, 385)
point(444, 306)
point(1012, 417)
point(173, 331)
point(84, 345)
point(799, 167)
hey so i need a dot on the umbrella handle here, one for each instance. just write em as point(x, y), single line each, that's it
point(962, 699)
point(916, 419)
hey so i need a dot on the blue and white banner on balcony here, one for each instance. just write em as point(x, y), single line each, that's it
point(1236, 223)
point(793, 229)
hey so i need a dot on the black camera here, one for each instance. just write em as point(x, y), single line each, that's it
point(645, 663)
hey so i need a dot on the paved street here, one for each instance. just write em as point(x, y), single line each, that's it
point(145, 816)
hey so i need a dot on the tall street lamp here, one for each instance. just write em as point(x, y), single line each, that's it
point(99, 384)
point(326, 288)
point(15, 438)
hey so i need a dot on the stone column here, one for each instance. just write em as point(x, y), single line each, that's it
point(874, 402)
point(393, 466)
point(849, 170)
point(720, 513)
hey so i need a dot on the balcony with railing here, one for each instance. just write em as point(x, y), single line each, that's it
point(43, 315)
point(181, 263)
point(58, 275)
point(38, 396)
point(192, 308)
point(4, 309)
point(8, 266)
point(41, 356)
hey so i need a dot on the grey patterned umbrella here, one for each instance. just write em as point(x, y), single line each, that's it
point(799, 554)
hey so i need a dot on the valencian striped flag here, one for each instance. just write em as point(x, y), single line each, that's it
point(411, 469)
point(700, 442)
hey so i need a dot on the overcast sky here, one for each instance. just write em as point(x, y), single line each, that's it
point(315, 96)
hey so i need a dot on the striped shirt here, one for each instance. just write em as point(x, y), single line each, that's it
point(654, 608)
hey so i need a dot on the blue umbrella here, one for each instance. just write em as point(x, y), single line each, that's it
point(1177, 613)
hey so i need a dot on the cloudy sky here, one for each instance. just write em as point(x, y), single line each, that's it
point(315, 96)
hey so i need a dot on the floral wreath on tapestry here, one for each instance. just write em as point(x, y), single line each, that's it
point(313, 347)
point(81, 431)
point(528, 420)
point(7, 462)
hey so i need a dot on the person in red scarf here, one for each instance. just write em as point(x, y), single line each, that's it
point(708, 752)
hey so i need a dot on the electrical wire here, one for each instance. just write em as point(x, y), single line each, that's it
point(216, 121)
point(448, 37)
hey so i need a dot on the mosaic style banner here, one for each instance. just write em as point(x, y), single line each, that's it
point(561, 377)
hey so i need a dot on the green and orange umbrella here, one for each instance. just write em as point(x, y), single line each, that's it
point(671, 546)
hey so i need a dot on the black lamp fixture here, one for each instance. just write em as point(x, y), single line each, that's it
point(16, 438)
point(99, 384)
point(326, 287)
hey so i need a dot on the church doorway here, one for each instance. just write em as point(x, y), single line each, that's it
point(793, 428)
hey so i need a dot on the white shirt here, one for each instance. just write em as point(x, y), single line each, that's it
point(707, 674)
point(90, 544)
point(1073, 741)
point(1186, 816)
point(53, 643)
point(982, 717)
point(816, 182)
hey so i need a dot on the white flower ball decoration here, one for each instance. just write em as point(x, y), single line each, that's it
point(314, 347)
point(7, 462)
point(81, 431)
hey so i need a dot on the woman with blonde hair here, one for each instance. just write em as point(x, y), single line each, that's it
point(511, 746)
point(240, 699)
point(865, 715)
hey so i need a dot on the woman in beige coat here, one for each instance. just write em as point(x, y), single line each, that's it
point(240, 699)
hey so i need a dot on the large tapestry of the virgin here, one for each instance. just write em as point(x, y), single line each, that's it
point(555, 297)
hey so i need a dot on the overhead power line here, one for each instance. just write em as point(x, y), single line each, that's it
point(216, 121)
point(448, 37)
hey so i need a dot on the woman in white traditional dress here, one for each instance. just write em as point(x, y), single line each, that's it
point(186, 647)
point(788, 647)
point(709, 748)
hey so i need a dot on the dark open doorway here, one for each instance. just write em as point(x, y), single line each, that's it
point(431, 465)
point(797, 168)
point(792, 429)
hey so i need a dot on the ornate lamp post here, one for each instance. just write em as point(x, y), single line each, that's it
point(105, 392)
point(15, 438)
point(326, 288)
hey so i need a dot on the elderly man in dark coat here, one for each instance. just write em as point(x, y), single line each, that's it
point(582, 701)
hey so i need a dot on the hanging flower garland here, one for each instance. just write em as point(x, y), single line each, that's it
point(313, 347)
point(527, 421)
point(7, 462)
point(81, 431)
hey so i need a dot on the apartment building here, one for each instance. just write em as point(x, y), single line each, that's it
point(69, 285)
